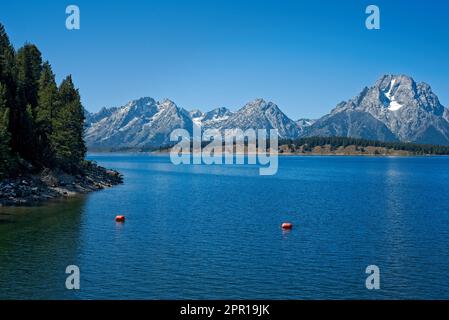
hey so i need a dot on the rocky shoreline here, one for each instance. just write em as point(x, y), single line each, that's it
point(33, 189)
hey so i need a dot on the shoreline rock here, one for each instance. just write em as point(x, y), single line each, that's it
point(34, 189)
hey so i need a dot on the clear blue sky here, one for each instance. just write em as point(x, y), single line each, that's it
point(306, 56)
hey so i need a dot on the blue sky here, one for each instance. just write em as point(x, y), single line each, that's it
point(306, 56)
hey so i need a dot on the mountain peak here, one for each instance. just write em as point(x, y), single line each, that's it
point(167, 103)
point(196, 113)
point(396, 106)
point(259, 105)
point(398, 79)
point(259, 102)
point(217, 115)
point(401, 90)
point(142, 101)
point(220, 110)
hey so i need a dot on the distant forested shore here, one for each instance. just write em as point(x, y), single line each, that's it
point(324, 146)
point(41, 130)
point(355, 146)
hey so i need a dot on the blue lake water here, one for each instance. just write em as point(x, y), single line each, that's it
point(213, 232)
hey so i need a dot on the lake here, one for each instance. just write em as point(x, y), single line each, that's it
point(213, 232)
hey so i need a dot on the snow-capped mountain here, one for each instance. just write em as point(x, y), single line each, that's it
point(139, 124)
point(260, 114)
point(395, 108)
point(257, 114)
point(145, 123)
point(211, 119)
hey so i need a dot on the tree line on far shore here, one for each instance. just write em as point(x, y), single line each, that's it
point(336, 142)
point(41, 123)
point(307, 144)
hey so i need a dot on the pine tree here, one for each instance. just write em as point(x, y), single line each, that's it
point(68, 127)
point(5, 152)
point(45, 114)
point(7, 63)
point(7, 74)
point(29, 67)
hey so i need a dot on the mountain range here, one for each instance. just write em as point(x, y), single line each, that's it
point(395, 108)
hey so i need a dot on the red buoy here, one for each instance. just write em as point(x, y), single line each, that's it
point(287, 226)
point(120, 218)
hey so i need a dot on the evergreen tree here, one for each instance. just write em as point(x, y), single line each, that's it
point(68, 127)
point(7, 73)
point(5, 156)
point(7, 65)
point(29, 66)
point(45, 114)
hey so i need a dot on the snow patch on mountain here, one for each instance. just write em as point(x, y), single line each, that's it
point(393, 105)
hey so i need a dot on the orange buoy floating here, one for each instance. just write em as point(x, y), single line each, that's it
point(120, 218)
point(287, 226)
